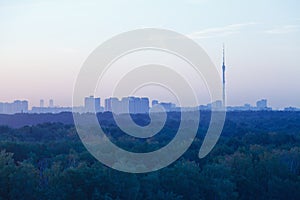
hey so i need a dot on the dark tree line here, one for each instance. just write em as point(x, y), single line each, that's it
point(257, 157)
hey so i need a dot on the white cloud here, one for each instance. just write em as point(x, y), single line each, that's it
point(220, 31)
point(283, 30)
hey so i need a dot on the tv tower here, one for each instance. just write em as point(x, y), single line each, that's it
point(223, 70)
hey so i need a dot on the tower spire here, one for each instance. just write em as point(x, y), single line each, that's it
point(223, 70)
point(223, 55)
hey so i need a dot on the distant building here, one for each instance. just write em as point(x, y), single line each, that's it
point(261, 104)
point(92, 104)
point(168, 106)
point(247, 106)
point(42, 103)
point(17, 106)
point(291, 109)
point(145, 105)
point(204, 107)
point(51, 103)
point(109, 103)
point(50, 109)
point(131, 104)
point(217, 105)
point(40, 110)
point(127, 105)
point(154, 102)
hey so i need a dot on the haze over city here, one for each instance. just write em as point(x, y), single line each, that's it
point(43, 45)
point(140, 100)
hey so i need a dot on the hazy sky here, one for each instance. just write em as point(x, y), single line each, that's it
point(44, 43)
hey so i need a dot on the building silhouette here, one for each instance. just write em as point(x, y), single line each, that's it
point(131, 104)
point(92, 104)
point(42, 103)
point(154, 102)
point(262, 104)
point(17, 106)
point(50, 109)
point(109, 103)
point(51, 103)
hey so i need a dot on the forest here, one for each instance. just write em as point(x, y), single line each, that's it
point(256, 157)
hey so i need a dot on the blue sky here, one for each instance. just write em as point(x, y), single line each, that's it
point(44, 43)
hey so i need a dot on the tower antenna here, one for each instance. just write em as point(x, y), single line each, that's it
point(223, 54)
point(223, 82)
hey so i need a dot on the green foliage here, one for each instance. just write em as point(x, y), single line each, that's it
point(7, 167)
point(254, 159)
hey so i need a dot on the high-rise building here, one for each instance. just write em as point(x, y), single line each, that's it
point(131, 105)
point(42, 103)
point(154, 102)
point(92, 104)
point(51, 103)
point(1, 107)
point(17, 106)
point(144, 105)
point(262, 104)
point(24, 106)
point(111, 104)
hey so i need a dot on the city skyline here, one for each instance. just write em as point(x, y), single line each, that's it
point(120, 104)
point(41, 54)
point(129, 104)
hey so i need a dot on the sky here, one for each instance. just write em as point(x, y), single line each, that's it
point(43, 44)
